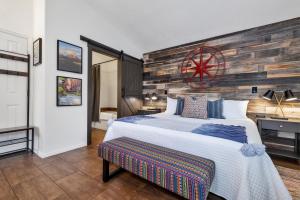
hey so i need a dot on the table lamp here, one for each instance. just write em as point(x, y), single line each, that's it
point(288, 95)
point(147, 97)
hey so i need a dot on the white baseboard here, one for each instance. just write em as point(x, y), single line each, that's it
point(58, 151)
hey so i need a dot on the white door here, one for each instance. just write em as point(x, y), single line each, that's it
point(13, 89)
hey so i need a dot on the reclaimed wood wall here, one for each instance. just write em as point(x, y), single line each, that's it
point(266, 57)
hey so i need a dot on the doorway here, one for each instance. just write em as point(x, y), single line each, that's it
point(103, 90)
point(105, 94)
point(129, 81)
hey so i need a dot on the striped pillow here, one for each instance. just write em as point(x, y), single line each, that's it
point(180, 105)
point(215, 109)
point(195, 107)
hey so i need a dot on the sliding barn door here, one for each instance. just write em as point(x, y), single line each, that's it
point(132, 85)
point(13, 89)
point(132, 71)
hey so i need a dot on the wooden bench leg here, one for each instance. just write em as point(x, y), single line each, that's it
point(105, 174)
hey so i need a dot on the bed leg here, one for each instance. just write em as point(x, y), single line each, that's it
point(105, 174)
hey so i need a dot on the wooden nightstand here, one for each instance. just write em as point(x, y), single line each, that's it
point(148, 111)
point(272, 132)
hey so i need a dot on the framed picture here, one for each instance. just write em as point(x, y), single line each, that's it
point(69, 57)
point(69, 91)
point(37, 52)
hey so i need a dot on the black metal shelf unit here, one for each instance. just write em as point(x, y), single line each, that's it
point(21, 58)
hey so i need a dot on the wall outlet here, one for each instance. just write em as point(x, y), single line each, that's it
point(254, 90)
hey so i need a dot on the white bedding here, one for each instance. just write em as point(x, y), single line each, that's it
point(237, 177)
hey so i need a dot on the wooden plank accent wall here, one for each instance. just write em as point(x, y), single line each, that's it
point(266, 57)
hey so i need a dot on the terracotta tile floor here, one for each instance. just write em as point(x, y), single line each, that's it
point(77, 175)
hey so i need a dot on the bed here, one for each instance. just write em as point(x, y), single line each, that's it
point(237, 176)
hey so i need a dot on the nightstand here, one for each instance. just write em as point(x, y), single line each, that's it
point(281, 137)
point(148, 111)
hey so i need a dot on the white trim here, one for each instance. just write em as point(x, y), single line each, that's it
point(14, 33)
point(48, 154)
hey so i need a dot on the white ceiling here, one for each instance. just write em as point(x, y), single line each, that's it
point(158, 24)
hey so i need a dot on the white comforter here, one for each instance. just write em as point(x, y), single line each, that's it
point(237, 177)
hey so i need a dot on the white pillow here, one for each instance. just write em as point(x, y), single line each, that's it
point(171, 106)
point(235, 109)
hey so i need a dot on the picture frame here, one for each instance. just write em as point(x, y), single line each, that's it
point(69, 57)
point(68, 91)
point(37, 52)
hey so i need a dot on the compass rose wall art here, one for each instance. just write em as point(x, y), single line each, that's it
point(201, 65)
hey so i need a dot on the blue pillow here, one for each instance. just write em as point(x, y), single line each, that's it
point(180, 105)
point(215, 109)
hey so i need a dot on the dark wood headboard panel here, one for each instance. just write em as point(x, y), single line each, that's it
point(267, 57)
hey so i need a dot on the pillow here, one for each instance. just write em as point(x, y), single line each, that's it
point(215, 109)
point(180, 105)
point(171, 106)
point(195, 107)
point(235, 109)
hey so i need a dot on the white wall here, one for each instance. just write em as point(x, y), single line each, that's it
point(39, 73)
point(109, 85)
point(17, 16)
point(66, 127)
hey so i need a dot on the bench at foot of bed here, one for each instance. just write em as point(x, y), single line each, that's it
point(186, 175)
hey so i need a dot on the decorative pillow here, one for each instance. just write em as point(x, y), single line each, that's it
point(171, 106)
point(195, 107)
point(235, 109)
point(180, 105)
point(215, 109)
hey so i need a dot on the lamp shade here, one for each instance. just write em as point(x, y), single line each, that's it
point(289, 95)
point(154, 97)
point(268, 95)
point(147, 97)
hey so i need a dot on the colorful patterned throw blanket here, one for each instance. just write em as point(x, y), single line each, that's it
point(229, 132)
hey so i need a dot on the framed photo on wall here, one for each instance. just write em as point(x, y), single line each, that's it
point(69, 57)
point(37, 52)
point(69, 91)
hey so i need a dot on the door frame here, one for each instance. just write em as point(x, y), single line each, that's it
point(103, 49)
point(100, 48)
